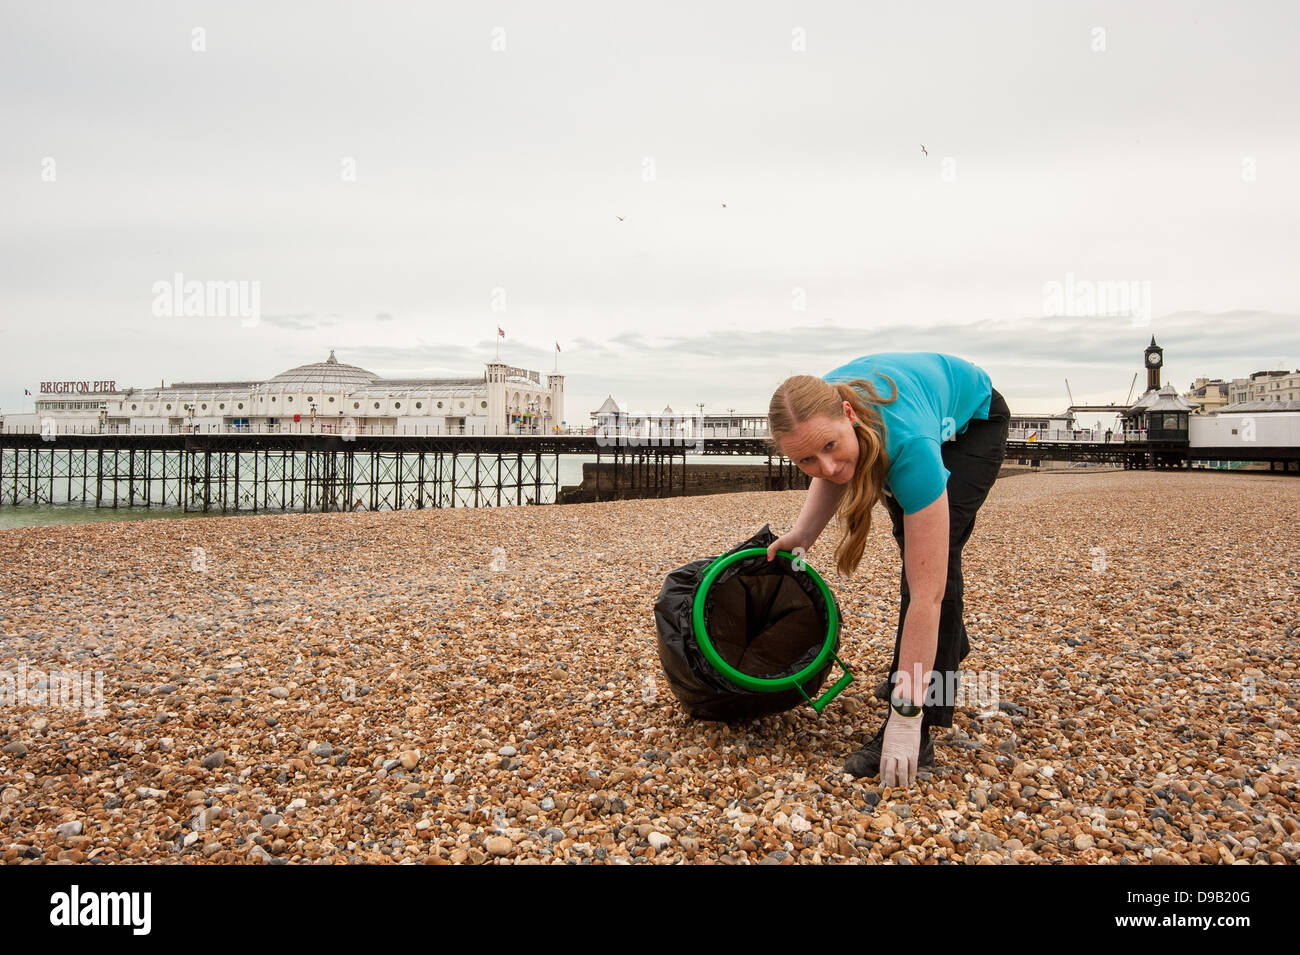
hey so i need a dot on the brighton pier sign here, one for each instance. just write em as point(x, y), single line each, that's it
point(77, 387)
point(524, 373)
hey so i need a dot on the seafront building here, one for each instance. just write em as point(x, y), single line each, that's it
point(324, 397)
point(1266, 386)
point(1208, 394)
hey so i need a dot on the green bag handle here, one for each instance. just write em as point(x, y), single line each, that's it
point(778, 684)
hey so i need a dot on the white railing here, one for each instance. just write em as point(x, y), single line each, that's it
point(1080, 436)
point(300, 427)
point(1053, 436)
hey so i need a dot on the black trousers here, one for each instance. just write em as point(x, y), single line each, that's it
point(974, 458)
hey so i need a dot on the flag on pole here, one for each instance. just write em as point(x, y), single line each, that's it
point(557, 346)
point(500, 333)
point(26, 391)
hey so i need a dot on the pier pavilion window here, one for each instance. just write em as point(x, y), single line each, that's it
point(397, 404)
point(222, 406)
point(169, 407)
point(417, 404)
point(481, 404)
point(331, 399)
point(132, 407)
point(376, 404)
point(439, 404)
point(356, 404)
point(205, 406)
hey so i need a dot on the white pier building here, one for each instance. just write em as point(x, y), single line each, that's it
point(324, 397)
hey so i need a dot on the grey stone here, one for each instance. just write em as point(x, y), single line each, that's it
point(69, 829)
point(215, 759)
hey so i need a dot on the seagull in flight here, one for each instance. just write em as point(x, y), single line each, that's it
point(724, 205)
point(619, 218)
point(923, 149)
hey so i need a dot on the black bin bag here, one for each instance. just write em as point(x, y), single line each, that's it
point(765, 618)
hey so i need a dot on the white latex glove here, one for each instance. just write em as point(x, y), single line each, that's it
point(900, 749)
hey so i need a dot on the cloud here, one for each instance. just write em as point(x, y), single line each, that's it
point(1028, 358)
point(300, 321)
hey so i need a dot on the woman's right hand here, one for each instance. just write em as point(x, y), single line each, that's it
point(792, 539)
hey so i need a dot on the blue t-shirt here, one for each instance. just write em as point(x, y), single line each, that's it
point(938, 395)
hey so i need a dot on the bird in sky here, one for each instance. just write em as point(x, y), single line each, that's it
point(619, 218)
point(923, 149)
point(724, 205)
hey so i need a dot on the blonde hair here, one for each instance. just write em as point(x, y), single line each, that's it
point(803, 397)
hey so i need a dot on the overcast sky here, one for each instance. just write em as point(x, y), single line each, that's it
point(399, 179)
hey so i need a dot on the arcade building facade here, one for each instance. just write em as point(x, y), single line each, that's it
point(324, 397)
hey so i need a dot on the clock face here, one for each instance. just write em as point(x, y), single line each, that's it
point(1153, 359)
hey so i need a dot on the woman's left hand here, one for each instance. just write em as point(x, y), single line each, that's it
point(900, 749)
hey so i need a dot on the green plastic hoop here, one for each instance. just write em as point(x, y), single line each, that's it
point(777, 684)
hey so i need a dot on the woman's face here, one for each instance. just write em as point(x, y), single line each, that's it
point(825, 447)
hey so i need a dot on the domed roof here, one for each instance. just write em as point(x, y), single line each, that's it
point(327, 375)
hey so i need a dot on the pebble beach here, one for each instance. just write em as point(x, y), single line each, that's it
point(482, 685)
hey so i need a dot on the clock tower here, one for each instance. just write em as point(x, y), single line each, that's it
point(1154, 357)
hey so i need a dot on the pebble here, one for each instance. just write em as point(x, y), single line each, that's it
point(563, 744)
point(214, 759)
point(69, 829)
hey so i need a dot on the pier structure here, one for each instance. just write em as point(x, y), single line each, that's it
point(312, 472)
point(236, 472)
